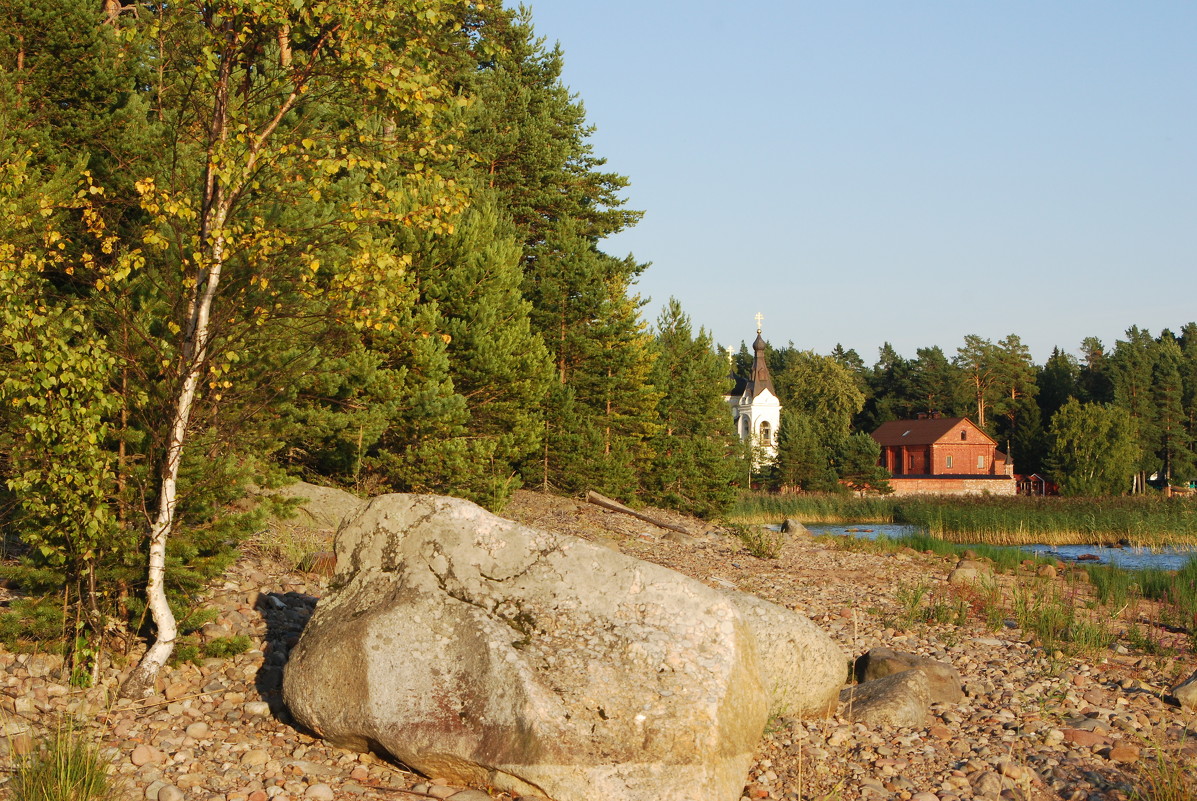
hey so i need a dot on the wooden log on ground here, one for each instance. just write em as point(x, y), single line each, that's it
point(616, 506)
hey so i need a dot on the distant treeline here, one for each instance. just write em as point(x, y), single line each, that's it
point(1117, 420)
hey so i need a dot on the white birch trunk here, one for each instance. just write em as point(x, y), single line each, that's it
point(195, 348)
point(219, 200)
point(142, 680)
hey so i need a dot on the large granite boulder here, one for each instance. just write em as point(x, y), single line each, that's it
point(484, 652)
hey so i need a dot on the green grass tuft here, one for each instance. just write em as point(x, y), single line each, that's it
point(64, 766)
point(759, 541)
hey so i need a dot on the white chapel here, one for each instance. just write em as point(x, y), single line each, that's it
point(755, 406)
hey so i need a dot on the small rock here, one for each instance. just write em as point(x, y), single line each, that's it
point(943, 678)
point(146, 755)
point(470, 795)
point(198, 730)
point(1124, 752)
point(170, 793)
point(257, 709)
point(988, 783)
point(255, 757)
point(1085, 739)
point(319, 792)
point(940, 732)
point(152, 790)
point(900, 699)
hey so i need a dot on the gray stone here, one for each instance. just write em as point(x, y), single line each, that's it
point(320, 507)
point(257, 709)
point(944, 679)
point(969, 571)
point(198, 730)
point(902, 699)
point(1185, 693)
point(795, 530)
point(491, 654)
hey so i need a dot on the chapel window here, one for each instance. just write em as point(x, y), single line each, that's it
point(766, 432)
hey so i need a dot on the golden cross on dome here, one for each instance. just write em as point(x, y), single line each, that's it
point(759, 317)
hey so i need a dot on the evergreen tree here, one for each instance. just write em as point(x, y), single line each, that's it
point(1131, 369)
point(1094, 383)
point(531, 139)
point(978, 359)
point(858, 462)
point(1188, 379)
point(694, 468)
point(497, 366)
point(937, 384)
point(1173, 444)
point(1058, 380)
point(1016, 422)
point(803, 460)
point(890, 394)
point(615, 402)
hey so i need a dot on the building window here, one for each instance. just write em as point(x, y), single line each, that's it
point(949, 463)
point(963, 434)
point(980, 461)
point(766, 433)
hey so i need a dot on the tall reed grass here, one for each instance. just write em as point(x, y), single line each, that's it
point(1143, 520)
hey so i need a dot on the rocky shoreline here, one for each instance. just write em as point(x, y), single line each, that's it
point(1032, 725)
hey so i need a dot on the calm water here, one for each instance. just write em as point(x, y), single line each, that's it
point(1129, 558)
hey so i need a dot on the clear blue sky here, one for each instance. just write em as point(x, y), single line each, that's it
point(911, 172)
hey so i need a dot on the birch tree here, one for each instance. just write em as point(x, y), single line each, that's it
point(287, 102)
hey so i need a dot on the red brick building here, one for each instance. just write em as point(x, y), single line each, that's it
point(944, 456)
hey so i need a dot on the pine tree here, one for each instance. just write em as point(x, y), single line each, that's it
point(858, 463)
point(615, 402)
point(693, 468)
point(1173, 444)
point(1130, 369)
point(531, 139)
point(497, 364)
point(937, 384)
point(803, 460)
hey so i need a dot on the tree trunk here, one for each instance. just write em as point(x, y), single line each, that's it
point(216, 204)
point(141, 682)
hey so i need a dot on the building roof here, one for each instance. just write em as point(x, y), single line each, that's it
point(924, 432)
point(759, 379)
